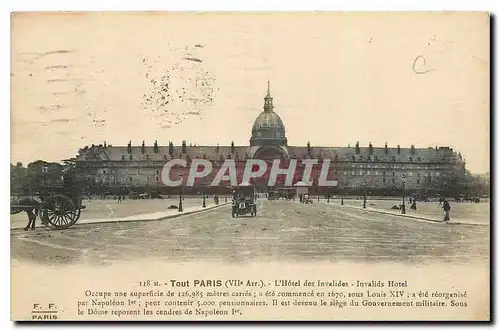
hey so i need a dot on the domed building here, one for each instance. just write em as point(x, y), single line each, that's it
point(379, 170)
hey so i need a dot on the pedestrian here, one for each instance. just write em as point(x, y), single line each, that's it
point(119, 198)
point(446, 208)
point(414, 205)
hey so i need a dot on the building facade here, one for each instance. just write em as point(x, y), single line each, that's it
point(378, 170)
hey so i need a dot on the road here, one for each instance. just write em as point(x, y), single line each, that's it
point(284, 231)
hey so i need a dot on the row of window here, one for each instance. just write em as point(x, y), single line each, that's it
point(165, 157)
point(394, 181)
point(360, 173)
point(157, 179)
point(138, 172)
point(384, 180)
point(376, 173)
point(394, 166)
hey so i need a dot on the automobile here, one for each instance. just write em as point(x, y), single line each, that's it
point(244, 201)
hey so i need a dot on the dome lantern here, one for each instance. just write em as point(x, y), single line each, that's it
point(268, 100)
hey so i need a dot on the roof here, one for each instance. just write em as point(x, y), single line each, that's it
point(148, 153)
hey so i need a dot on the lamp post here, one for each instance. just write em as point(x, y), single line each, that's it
point(203, 191)
point(180, 194)
point(344, 187)
point(403, 208)
point(364, 193)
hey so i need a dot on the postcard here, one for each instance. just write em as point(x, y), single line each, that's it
point(236, 166)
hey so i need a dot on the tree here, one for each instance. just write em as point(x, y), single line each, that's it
point(41, 173)
point(69, 165)
point(453, 182)
point(18, 178)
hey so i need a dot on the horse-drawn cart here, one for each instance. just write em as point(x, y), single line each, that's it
point(59, 207)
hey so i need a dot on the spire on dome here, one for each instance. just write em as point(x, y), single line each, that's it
point(268, 104)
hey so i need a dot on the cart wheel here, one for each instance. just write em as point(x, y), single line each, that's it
point(78, 212)
point(58, 212)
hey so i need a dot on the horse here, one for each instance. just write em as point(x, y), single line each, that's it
point(30, 206)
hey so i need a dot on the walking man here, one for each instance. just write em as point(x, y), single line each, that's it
point(446, 208)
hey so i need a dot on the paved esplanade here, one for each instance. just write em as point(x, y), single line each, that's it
point(281, 231)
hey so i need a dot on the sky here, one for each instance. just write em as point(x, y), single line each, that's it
point(336, 78)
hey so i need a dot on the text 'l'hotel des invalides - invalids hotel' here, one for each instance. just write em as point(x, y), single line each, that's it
point(377, 170)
